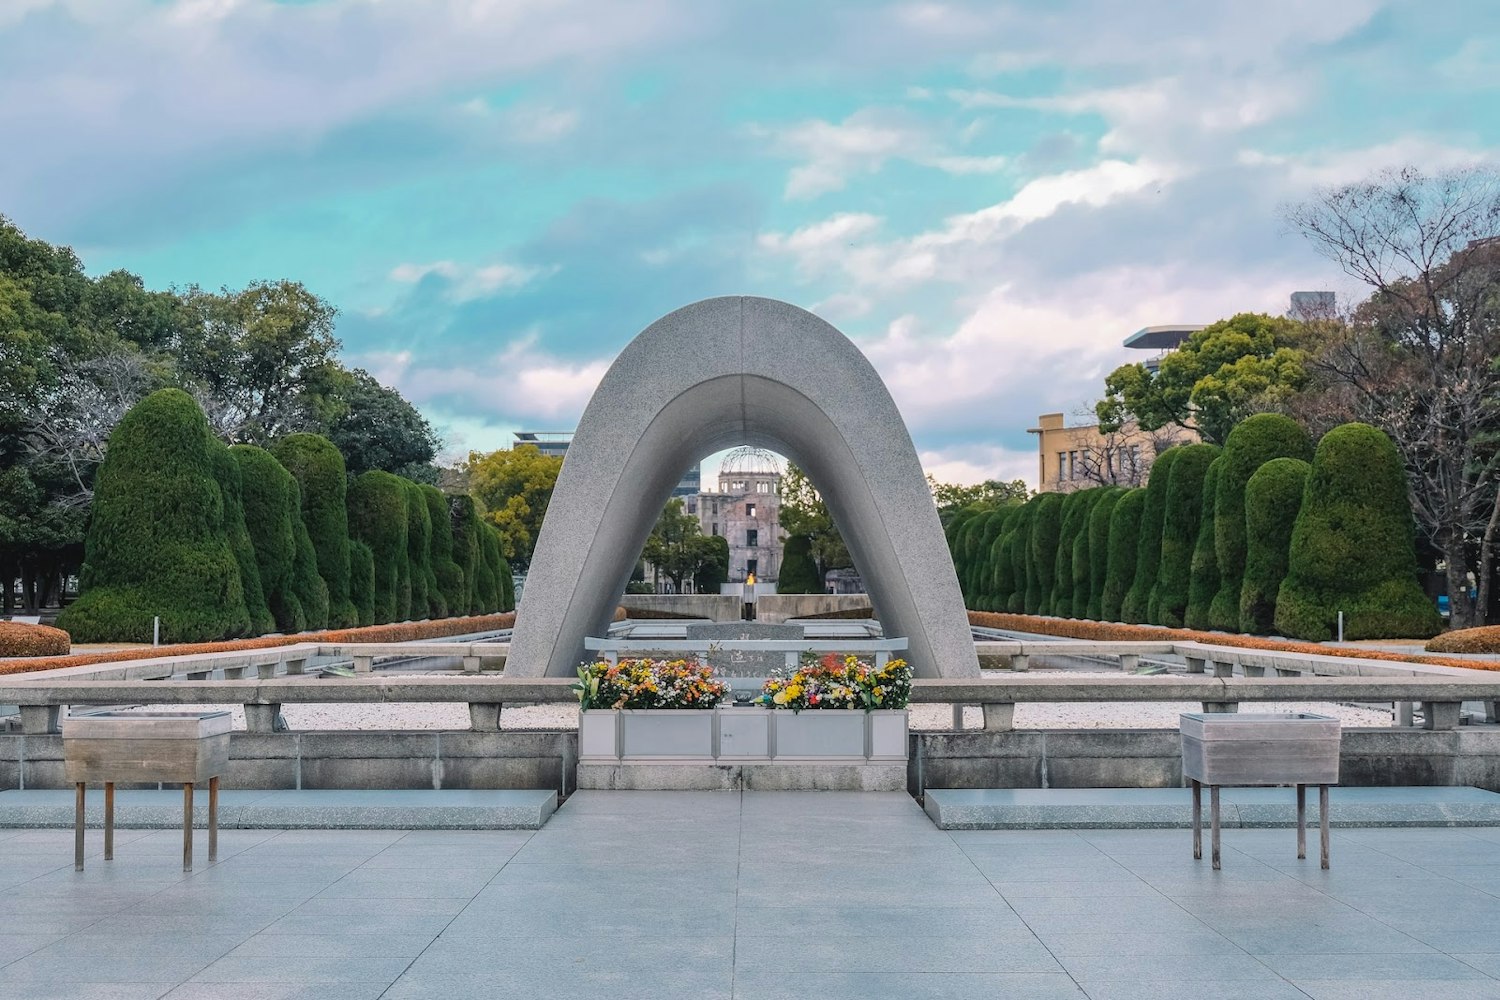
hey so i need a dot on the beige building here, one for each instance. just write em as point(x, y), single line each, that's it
point(1075, 458)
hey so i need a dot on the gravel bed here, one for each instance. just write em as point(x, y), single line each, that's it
point(1070, 715)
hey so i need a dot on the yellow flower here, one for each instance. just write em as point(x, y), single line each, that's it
point(779, 697)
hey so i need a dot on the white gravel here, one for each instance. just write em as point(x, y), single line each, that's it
point(1070, 715)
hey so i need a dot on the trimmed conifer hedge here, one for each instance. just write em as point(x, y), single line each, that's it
point(1020, 557)
point(799, 574)
point(419, 550)
point(1099, 519)
point(227, 472)
point(1046, 528)
point(270, 504)
point(1124, 544)
point(1203, 584)
point(446, 576)
point(362, 581)
point(318, 467)
point(156, 543)
point(1353, 546)
point(464, 518)
point(1073, 517)
point(1253, 442)
point(377, 517)
point(1136, 607)
point(1273, 497)
point(309, 586)
point(1179, 534)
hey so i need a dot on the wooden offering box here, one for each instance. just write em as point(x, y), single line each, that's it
point(1286, 748)
point(1233, 748)
point(186, 748)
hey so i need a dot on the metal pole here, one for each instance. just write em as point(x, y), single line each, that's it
point(156, 631)
point(1341, 626)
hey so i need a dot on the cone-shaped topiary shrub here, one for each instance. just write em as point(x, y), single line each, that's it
point(799, 574)
point(156, 543)
point(362, 581)
point(984, 563)
point(307, 584)
point(1253, 442)
point(322, 482)
point(1353, 547)
point(418, 550)
point(227, 471)
point(1099, 550)
point(1124, 544)
point(1046, 528)
point(464, 518)
point(1003, 574)
point(1136, 608)
point(1073, 519)
point(270, 503)
point(1204, 582)
point(1272, 499)
point(1020, 557)
point(377, 517)
point(1179, 534)
point(445, 572)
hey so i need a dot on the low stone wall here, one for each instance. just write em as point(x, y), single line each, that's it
point(1152, 758)
point(714, 607)
point(349, 759)
point(1102, 758)
point(780, 607)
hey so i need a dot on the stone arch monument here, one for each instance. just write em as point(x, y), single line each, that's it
point(711, 375)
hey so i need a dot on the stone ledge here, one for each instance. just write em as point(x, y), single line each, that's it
point(887, 777)
point(1171, 808)
point(391, 809)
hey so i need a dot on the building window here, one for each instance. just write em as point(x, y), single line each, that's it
point(749, 510)
point(716, 506)
point(1073, 467)
point(1062, 466)
point(716, 529)
point(751, 565)
point(1135, 457)
point(762, 487)
point(692, 506)
point(752, 538)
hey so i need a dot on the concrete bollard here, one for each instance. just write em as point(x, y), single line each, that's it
point(471, 664)
point(261, 717)
point(1129, 661)
point(1223, 668)
point(294, 665)
point(484, 717)
point(1196, 664)
point(1020, 662)
point(1440, 714)
point(363, 664)
point(999, 717)
point(39, 720)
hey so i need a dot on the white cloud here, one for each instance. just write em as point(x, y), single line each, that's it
point(966, 465)
point(531, 124)
point(466, 282)
point(520, 383)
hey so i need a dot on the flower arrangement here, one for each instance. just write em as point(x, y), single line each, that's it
point(839, 682)
point(645, 683)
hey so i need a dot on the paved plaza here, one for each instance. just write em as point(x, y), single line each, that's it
point(754, 895)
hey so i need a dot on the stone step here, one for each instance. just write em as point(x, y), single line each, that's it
point(1169, 808)
point(313, 809)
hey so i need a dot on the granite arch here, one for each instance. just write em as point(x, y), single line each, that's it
point(712, 375)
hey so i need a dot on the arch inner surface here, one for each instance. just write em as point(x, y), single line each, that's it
point(712, 375)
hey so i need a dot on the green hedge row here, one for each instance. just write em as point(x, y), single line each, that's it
point(1252, 538)
point(228, 542)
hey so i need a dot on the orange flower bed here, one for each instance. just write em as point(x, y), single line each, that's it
point(1072, 628)
point(396, 632)
point(20, 639)
point(1485, 639)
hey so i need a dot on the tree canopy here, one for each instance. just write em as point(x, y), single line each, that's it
point(514, 485)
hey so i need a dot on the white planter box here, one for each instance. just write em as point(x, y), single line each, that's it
point(683, 734)
point(820, 733)
point(599, 734)
point(744, 734)
point(888, 734)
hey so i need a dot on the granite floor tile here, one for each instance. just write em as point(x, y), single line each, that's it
point(769, 985)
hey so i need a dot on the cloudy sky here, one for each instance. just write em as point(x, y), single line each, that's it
point(497, 194)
